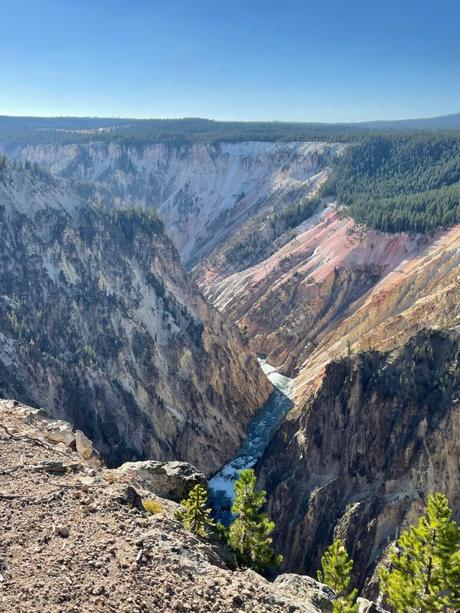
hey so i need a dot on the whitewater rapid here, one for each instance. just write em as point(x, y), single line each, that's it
point(258, 435)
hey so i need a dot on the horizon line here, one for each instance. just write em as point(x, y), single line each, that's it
point(268, 121)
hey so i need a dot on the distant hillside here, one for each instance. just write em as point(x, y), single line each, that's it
point(16, 131)
point(395, 177)
point(63, 130)
point(443, 122)
point(59, 123)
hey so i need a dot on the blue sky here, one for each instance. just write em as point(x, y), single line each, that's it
point(307, 60)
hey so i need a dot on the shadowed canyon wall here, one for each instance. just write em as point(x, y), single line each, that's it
point(100, 324)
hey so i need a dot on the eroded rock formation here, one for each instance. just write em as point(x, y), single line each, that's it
point(358, 460)
point(203, 192)
point(288, 302)
point(100, 324)
point(423, 290)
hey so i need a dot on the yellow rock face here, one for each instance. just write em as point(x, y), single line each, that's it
point(421, 292)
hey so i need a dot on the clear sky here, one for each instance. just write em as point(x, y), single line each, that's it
point(305, 60)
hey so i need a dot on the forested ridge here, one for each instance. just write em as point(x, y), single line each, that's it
point(138, 133)
point(394, 183)
point(391, 180)
point(400, 183)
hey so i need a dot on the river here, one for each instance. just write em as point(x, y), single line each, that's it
point(258, 435)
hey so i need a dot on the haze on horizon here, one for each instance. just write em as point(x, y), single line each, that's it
point(304, 61)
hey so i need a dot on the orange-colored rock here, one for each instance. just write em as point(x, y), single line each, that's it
point(422, 291)
point(293, 299)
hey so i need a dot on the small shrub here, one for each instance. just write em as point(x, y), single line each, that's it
point(336, 573)
point(195, 515)
point(152, 506)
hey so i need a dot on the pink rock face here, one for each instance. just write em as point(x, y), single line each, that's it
point(421, 291)
point(301, 292)
point(336, 241)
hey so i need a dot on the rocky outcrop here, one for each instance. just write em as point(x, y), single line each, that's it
point(306, 589)
point(172, 480)
point(80, 540)
point(100, 324)
point(358, 460)
point(203, 192)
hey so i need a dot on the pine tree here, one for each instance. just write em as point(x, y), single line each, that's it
point(250, 533)
point(195, 515)
point(336, 573)
point(424, 572)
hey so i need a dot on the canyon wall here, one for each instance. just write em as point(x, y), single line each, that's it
point(358, 459)
point(203, 192)
point(289, 301)
point(367, 323)
point(100, 324)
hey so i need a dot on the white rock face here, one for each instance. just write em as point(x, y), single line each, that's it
point(306, 589)
point(203, 191)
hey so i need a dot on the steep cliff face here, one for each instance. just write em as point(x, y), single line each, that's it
point(99, 323)
point(289, 301)
point(358, 460)
point(422, 291)
point(203, 192)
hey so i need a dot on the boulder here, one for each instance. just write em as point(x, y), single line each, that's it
point(84, 445)
point(302, 588)
point(367, 606)
point(61, 531)
point(59, 431)
point(171, 480)
point(131, 497)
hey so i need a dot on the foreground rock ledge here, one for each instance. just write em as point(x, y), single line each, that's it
point(74, 539)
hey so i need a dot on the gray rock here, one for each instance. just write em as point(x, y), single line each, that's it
point(59, 431)
point(304, 589)
point(84, 445)
point(367, 606)
point(54, 467)
point(131, 497)
point(62, 531)
point(172, 480)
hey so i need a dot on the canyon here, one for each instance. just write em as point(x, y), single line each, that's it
point(203, 192)
point(101, 325)
point(358, 458)
point(358, 318)
point(365, 323)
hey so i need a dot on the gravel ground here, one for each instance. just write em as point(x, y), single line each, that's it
point(71, 540)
